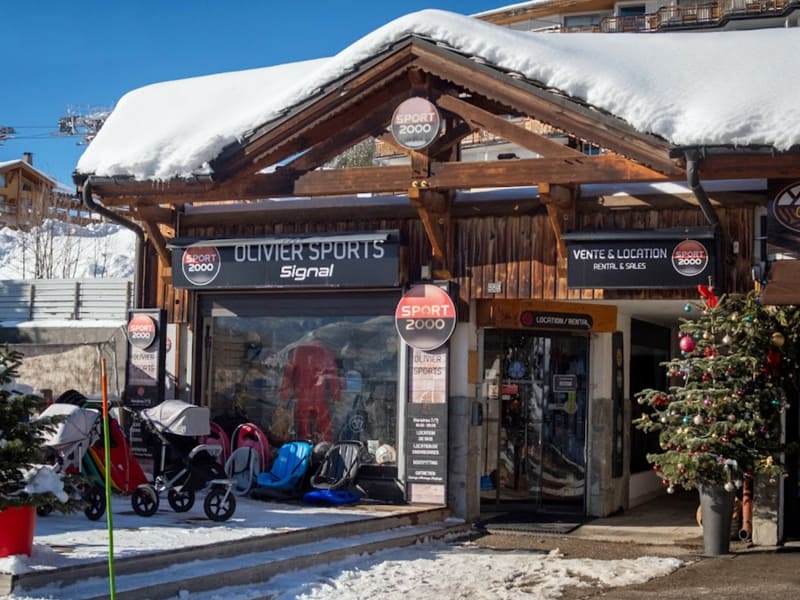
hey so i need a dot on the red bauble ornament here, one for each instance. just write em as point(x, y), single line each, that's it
point(687, 343)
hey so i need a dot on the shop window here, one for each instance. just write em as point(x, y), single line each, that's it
point(319, 367)
point(650, 346)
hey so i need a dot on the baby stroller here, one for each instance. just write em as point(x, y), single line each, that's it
point(183, 467)
point(66, 449)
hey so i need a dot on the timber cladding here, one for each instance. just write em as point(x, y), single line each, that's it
point(518, 254)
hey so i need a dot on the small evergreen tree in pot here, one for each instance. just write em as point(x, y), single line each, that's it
point(24, 479)
point(719, 421)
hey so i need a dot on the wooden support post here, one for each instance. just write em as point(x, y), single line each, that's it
point(560, 204)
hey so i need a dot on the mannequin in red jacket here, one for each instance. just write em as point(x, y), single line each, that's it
point(310, 377)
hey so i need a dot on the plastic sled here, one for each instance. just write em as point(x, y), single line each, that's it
point(339, 467)
point(218, 437)
point(242, 467)
point(288, 471)
point(126, 472)
point(331, 497)
point(250, 435)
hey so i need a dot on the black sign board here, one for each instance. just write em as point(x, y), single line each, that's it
point(144, 385)
point(426, 443)
point(345, 260)
point(675, 258)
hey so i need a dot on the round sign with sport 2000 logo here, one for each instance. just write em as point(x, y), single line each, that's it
point(142, 331)
point(425, 317)
point(416, 123)
point(689, 258)
point(201, 264)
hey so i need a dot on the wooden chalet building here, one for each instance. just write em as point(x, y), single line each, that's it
point(27, 195)
point(278, 281)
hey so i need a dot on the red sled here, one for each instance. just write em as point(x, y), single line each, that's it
point(126, 472)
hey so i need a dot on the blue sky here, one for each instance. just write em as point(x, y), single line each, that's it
point(62, 57)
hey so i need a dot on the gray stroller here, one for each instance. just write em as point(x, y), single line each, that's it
point(183, 467)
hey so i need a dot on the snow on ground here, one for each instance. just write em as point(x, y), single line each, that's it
point(76, 251)
point(435, 568)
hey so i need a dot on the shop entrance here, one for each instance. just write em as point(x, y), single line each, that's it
point(534, 430)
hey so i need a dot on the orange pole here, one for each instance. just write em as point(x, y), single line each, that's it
point(746, 533)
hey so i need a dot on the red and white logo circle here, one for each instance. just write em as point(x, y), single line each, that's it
point(425, 317)
point(201, 264)
point(689, 258)
point(416, 123)
point(142, 331)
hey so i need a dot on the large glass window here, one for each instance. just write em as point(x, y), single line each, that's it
point(321, 367)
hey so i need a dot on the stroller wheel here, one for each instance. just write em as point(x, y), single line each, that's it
point(144, 500)
point(97, 503)
point(182, 500)
point(220, 504)
point(43, 510)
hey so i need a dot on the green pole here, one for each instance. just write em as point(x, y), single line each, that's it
point(107, 466)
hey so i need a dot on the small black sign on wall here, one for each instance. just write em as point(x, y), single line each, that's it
point(656, 258)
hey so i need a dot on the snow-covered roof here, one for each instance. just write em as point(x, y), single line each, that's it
point(700, 88)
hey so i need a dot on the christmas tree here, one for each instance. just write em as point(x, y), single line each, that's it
point(24, 479)
point(720, 419)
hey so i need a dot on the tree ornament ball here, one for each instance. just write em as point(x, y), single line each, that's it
point(698, 420)
point(670, 490)
point(687, 308)
point(729, 487)
point(687, 343)
point(777, 339)
point(727, 340)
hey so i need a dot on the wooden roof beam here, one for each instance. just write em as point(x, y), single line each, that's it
point(322, 117)
point(563, 113)
point(500, 173)
point(482, 119)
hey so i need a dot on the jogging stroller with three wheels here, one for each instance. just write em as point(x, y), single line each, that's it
point(182, 467)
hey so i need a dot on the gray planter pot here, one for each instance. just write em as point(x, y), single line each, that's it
point(717, 509)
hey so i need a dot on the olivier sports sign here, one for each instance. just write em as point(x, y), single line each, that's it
point(342, 260)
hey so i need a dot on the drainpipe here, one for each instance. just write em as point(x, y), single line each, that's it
point(94, 206)
point(693, 178)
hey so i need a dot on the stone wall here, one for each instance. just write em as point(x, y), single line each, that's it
point(62, 358)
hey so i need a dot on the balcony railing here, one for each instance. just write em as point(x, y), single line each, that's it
point(697, 15)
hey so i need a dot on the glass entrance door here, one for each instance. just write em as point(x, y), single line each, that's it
point(535, 430)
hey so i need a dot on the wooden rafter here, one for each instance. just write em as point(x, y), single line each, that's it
point(564, 114)
point(482, 119)
point(320, 119)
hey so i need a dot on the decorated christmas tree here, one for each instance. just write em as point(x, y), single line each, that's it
point(720, 420)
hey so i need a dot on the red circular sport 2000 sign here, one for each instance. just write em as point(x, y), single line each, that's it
point(141, 331)
point(201, 264)
point(416, 123)
point(425, 317)
point(689, 258)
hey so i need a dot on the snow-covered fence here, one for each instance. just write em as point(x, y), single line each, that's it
point(65, 299)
